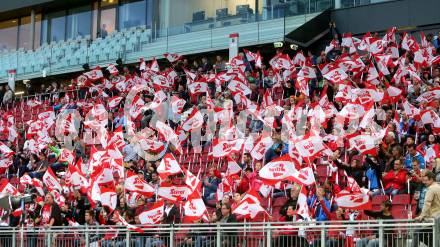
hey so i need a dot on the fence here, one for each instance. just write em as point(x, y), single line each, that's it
point(316, 234)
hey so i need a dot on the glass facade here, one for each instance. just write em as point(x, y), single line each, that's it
point(79, 22)
point(164, 17)
point(8, 34)
point(132, 14)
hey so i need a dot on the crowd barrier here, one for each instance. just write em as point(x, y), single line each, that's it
point(264, 234)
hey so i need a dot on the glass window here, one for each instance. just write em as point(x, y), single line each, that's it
point(24, 33)
point(56, 26)
point(108, 20)
point(8, 34)
point(79, 22)
point(132, 14)
point(37, 37)
point(44, 31)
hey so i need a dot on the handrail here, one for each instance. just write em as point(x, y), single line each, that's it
point(248, 225)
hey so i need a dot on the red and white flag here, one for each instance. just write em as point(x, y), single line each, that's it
point(194, 208)
point(5, 163)
point(51, 180)
point(168, 133)
point(153, 214)
point(261, 147)
point(5, 150)
point(94, 74)
point(303, 208)
point(172, 57)
point(168, 166)
point(173, 193)
point(114, 101)
point(238, 86)
point(109, 198)
point(134, 183)
point(432, 153)
point(233, 168)
point(357, 201)
point(279, 169)
point(254, 57)
point(250, 205)
point(136, 106)
point(177, 104)
point(129, 226)
point(430, 95)
point(17, 212)
point(364, 144)
point(223, 148)
point(193, 121)
point(267, 100)
point(198, 87)
point(310, 147)
point(112, 69)
point(430, 117)
point(193, 182)
point(7, 188)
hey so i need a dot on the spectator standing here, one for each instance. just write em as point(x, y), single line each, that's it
point(7, 97)
point(50, 214)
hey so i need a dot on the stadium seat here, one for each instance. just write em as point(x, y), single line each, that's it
point(280, 201)
point(377, 200)
point(401, 199)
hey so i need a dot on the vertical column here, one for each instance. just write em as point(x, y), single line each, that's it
point(233, 45)
point(32, 29)
point(337, 4)
point(164, 16)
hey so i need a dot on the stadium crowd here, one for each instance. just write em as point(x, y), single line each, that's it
point(349, 134)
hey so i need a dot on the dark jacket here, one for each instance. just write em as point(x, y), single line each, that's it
point(173, 216)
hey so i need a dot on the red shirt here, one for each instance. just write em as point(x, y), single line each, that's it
point(46, 212)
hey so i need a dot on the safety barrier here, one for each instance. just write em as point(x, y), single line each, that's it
point(264, 234)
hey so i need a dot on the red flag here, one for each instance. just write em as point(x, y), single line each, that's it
point(356, 201)
point(112, 69)
point(109, 198)
point(168, 166)
point(5, 150)
point(279, 169)
point(134, 183)
point(129, 226)
point(94, 74)
point(51, 180)
point(194, 120)
point(173, 193)
point(261, 147)
point(114, 101)
point(152, 215)
point(17, 212)
point(364, 144)
point(172, 57)
point(7, 188)
point(194, 208)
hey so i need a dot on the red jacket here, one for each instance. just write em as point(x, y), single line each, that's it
point(395, 180)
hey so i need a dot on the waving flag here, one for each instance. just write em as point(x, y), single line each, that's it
point(124, 223)
point(51, 180)
point(152, 215)
point(177, 104)
point(310, 147)
point(249, 206)
point(109, 198)
point(430, 95)
point(5, 150)
point(134, 183)
point(430, 117)
point(168, 166)
point(7, 188)
point(356, 201)
point(198, 87)
point(303, 208)
point(194, 120)
point(193, 182)
point(114, 101)
point(364, 144)
point(112, 69)
point(222, 148)
point(194, 208)
point(279, 169)
point(173, 193)
point(172, 57)
point(94, 74)
point(233, 168)
point(261, 147)
point(237, 85)
point(168, 134)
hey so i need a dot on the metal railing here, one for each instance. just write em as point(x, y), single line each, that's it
point(264, 234)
